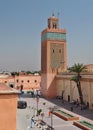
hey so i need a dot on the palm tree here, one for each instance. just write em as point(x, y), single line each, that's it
point(78, 69)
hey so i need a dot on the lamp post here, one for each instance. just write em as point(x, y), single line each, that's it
point(33, 108)
point(37, 100)
point(51, 110)
point(51, 120)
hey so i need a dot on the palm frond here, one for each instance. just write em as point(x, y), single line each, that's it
point(75, 79)
point(77, 68)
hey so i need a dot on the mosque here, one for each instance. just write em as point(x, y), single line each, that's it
point(55, 79)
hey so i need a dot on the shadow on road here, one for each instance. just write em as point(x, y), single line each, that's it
point(77, 110)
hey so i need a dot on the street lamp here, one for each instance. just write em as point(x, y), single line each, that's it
point(33, 108)
point(37, 100)
point(51, 110)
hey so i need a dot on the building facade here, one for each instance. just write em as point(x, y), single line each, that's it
point(8, 107)
point(27, 82)
point(90, 67)
point(55, 80)
point(68, 88)
point(53, 56)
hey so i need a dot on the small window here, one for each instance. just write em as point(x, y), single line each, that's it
point(59, 50)
point(54, 26)
point(53, 50)
point(35, 81)
point(5, 81)
point(22, 81)
point(17, 80)
point(11, 85)
point(28, 81)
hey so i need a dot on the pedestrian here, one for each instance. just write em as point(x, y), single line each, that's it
point(71, 108)
point(32, 122)
point(49, 113)
point(77, 103)
point(81, 108)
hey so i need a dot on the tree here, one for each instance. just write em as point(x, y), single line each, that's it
point(78, 69)
point(15, 74)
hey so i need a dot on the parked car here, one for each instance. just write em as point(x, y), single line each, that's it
point(22, 104)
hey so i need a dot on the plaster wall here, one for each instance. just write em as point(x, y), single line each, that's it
point(28, 82)
point(70, 89)
point(44, 84)
point(8, 110)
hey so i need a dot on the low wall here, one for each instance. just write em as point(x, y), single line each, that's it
point(63, 116)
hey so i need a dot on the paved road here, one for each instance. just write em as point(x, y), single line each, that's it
point(24, 115)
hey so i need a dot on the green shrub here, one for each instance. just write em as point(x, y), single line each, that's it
point(28, 91)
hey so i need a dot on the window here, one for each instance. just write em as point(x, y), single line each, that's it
point(59, 50)
point(28, 81)
point(22, 81)
point(54, 26)
point(53, 50)
point(17, 80)
point(5, 81)
point(11, 85)
point(35, 81)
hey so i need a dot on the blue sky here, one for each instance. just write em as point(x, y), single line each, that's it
point(21, 23)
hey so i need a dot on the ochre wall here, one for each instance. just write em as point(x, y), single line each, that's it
point(8, 110)
point(48, 84)
point(34, 81)
point(70, 88)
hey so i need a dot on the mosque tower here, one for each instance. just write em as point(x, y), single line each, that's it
point(53, 56)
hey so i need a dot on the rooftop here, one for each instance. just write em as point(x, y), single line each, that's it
point(6, 89)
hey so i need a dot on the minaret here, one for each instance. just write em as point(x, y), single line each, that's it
point(53, 56)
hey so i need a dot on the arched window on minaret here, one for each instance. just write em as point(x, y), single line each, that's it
point(54, 26)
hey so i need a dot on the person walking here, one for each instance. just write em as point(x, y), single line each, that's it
point(71, 108)
point(49, 113)
point(32, 122)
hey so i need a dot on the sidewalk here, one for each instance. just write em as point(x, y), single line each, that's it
point(60, 124)
point(77, 110)
point(54, 121)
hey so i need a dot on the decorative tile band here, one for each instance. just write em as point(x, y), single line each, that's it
point(53, 36)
